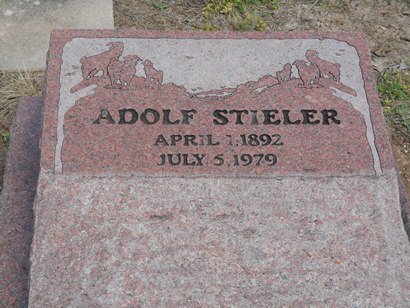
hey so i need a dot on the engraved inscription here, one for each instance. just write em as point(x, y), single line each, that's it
point(219, 118)
point(224, 117)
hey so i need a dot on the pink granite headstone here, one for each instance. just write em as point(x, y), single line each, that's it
point(190, 168)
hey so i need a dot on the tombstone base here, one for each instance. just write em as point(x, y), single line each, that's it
point(225, 241)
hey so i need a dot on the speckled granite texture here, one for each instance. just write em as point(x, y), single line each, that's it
point(176, 242)
point(16, 203)
point(321, 226)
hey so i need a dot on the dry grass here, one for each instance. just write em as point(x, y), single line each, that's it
point(145, 14)
point(14, 85)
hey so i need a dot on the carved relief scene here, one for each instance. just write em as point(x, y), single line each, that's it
point(113, 71)
point(107, 68)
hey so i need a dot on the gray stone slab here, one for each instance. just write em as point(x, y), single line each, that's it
point(25, 27)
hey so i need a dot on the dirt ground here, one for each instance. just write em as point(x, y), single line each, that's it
point(385, 23)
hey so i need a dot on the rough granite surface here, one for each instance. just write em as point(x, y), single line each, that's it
point(114, 226)
point(153, 242)
point(16, 203)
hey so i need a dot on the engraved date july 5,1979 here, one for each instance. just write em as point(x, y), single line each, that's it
point(217, 160)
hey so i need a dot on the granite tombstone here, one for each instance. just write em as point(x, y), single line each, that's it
point(189, 168)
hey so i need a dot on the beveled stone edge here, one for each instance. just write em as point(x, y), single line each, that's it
point(16, 203)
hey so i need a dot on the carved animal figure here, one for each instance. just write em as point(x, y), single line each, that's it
point(90, 66)
point(325, 67)
point(129, 70)
point(152, 74)
point(284, 75)
point(308, 74)
point(122, 72)
point(114, 71)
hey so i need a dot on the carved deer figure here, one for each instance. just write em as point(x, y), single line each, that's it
point(90, 66)
point(308, 74)
point(122, 72)
point(284, 75)
point(152, 74)
point(325, 67)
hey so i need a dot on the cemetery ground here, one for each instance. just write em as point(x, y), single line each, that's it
point(385, 23)
point(197, 218)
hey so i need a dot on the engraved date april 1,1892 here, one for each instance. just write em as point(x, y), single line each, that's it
point(210, 140)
